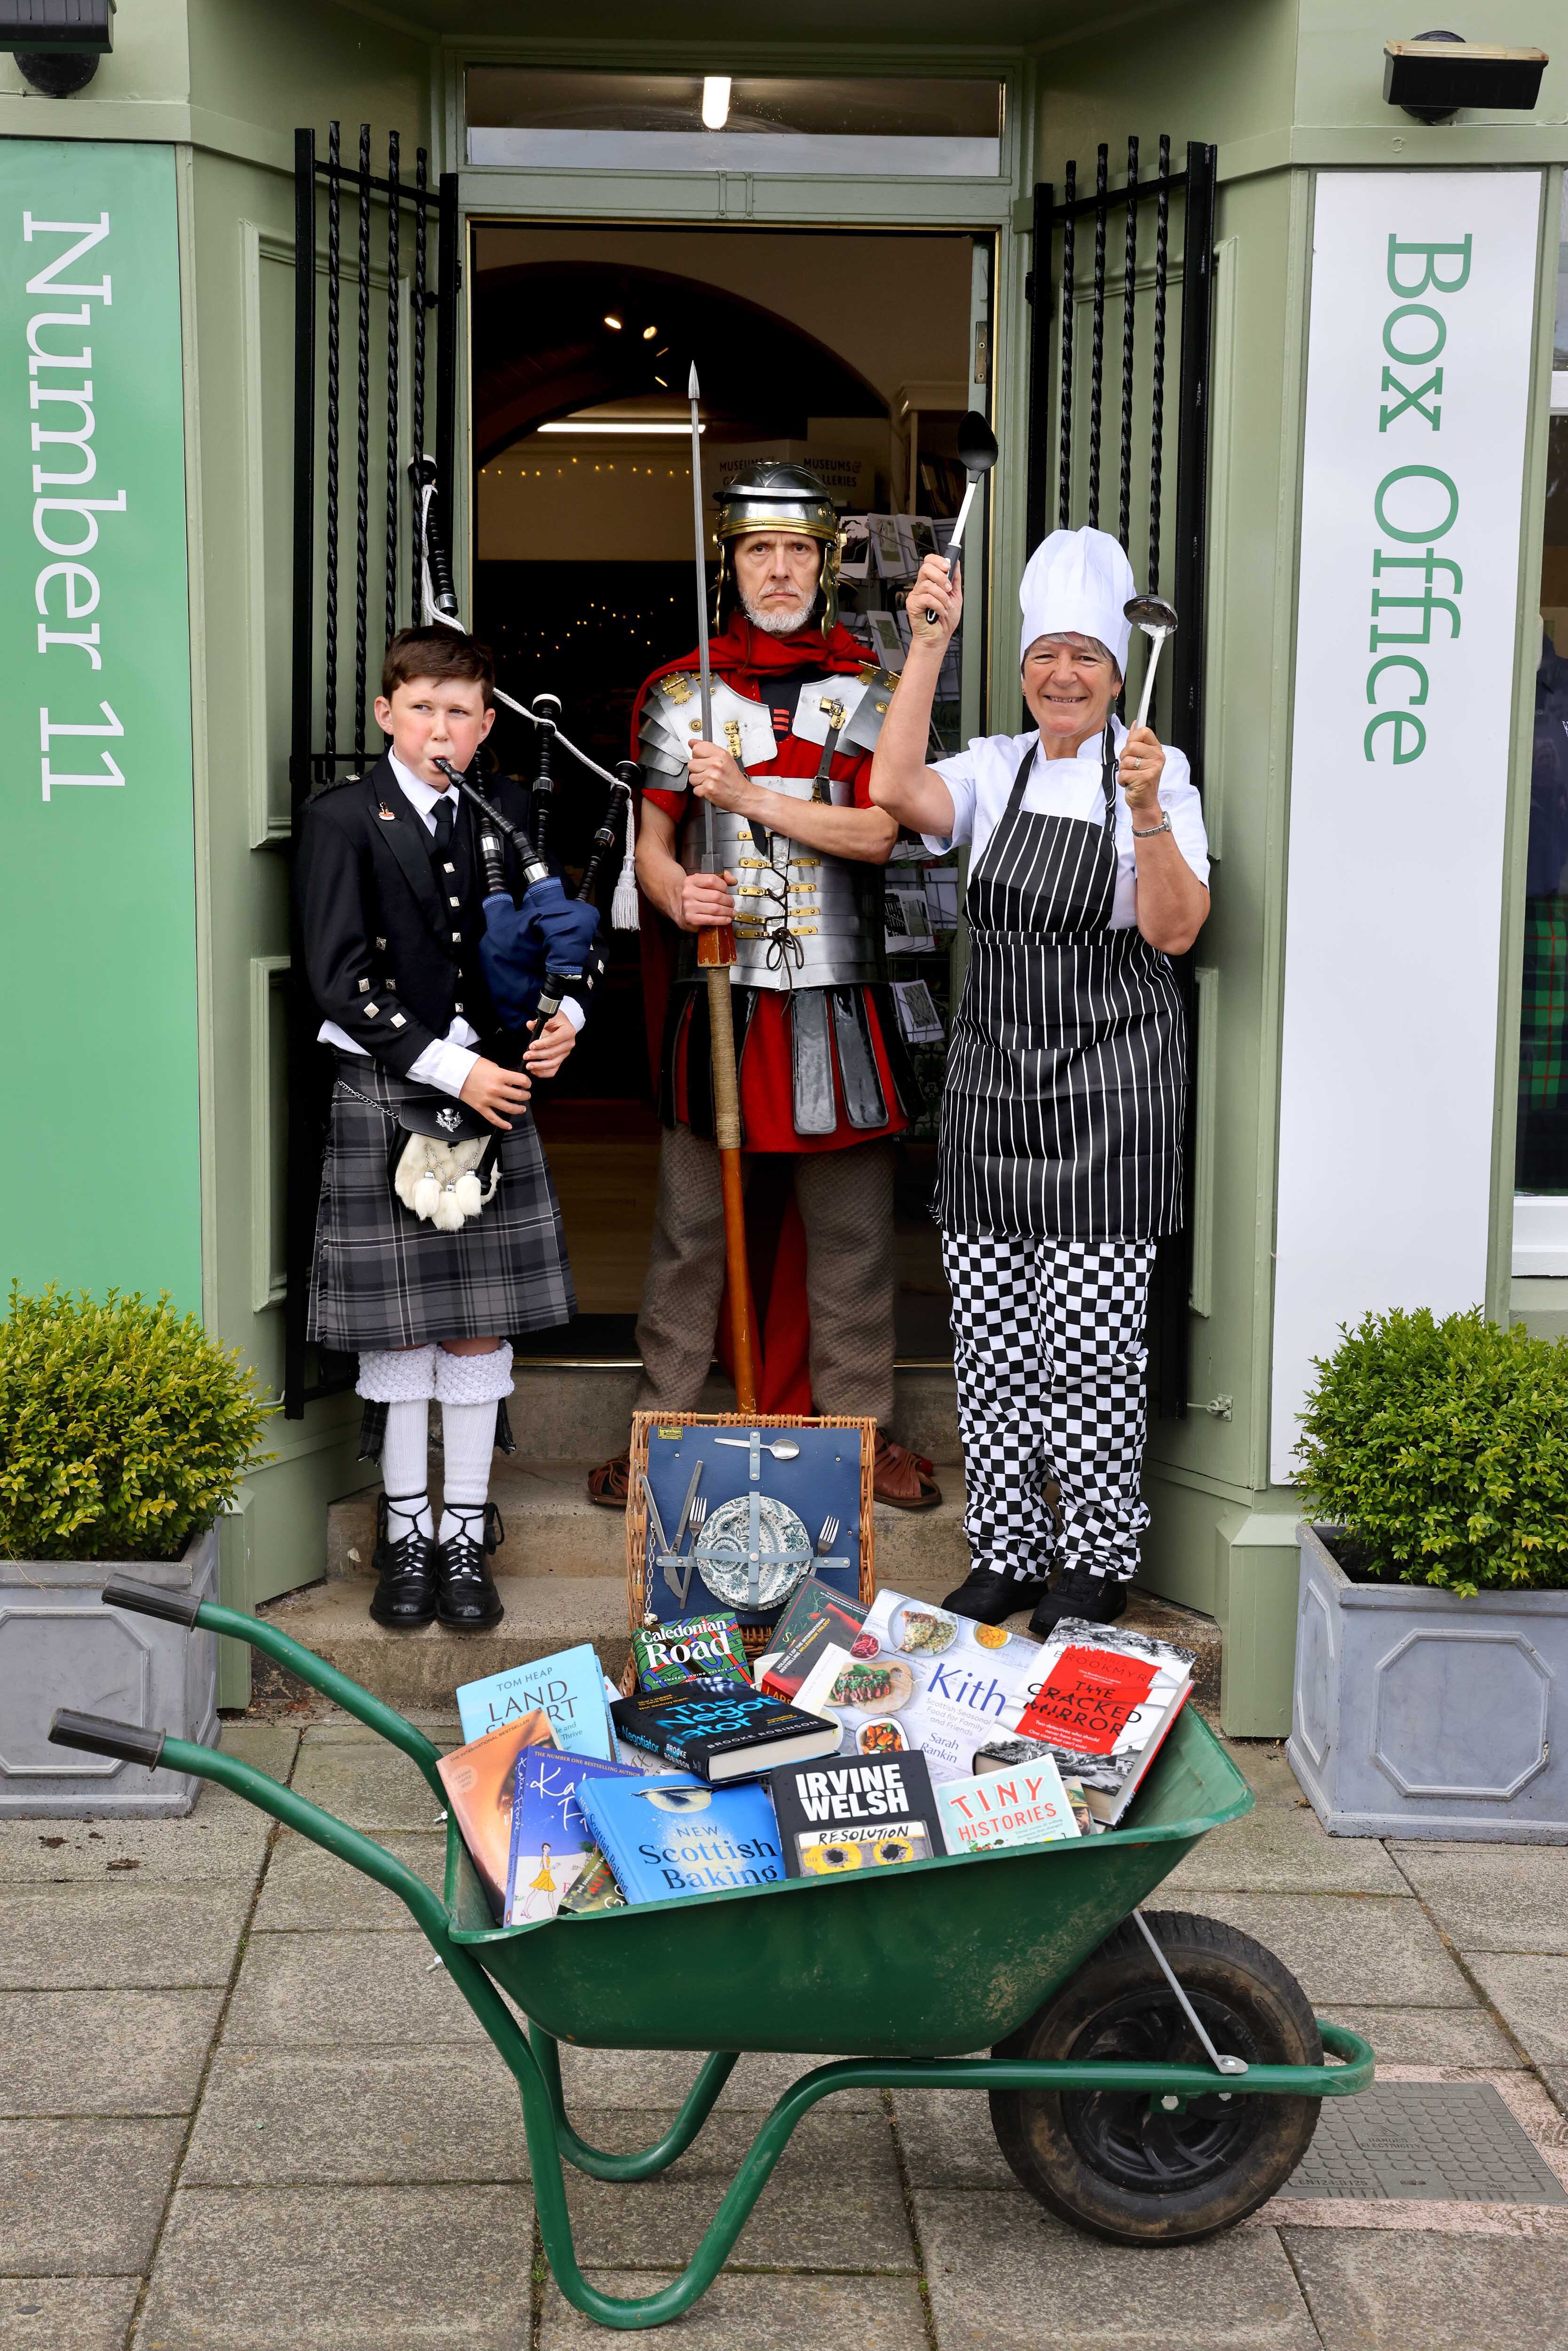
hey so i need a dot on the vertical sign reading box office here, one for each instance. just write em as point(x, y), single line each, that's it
point(100, 1182)
point(1423, 314)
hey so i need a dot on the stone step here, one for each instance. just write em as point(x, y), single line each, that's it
point(577, 1412)
point(549, 1611)
point(553, 1530)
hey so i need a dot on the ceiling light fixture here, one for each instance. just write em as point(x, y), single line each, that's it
point(611, 320)
point(628, 427)
point(649, 333)
point(715, 101)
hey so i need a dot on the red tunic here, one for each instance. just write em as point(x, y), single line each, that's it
point(751, 662)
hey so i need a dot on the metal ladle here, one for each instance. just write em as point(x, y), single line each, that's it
point(1157, 621)
point(783, 1449)
point(978, 454)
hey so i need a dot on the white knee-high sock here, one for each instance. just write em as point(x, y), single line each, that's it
point(405, 1476)
point(469, 1431)
point(470, 1387)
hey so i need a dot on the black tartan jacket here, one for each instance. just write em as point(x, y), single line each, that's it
point(389, 958)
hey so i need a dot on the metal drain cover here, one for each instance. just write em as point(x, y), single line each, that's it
point(1431, 2142)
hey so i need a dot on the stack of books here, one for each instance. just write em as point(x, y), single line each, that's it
point(867, 1739)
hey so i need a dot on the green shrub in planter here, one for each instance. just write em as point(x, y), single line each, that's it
point(1442, 1449)
point(123, 1429)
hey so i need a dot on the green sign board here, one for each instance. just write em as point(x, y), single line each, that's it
point(100, 1182)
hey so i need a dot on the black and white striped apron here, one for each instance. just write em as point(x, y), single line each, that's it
point(1066, 1080)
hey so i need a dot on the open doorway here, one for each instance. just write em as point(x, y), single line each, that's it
point(854, 353)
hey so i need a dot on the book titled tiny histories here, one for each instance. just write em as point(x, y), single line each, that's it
point(673, 1835)
point(722, 1735)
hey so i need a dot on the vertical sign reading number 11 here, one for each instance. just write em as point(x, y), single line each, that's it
point(48, 727)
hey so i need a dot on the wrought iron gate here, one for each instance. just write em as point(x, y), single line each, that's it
point(1064, 364)
point(358, 417)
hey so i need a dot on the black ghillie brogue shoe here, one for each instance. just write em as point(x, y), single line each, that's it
point(467, 1597)
point(987, 1598)
point(1075, 1591)
point(404, 1597)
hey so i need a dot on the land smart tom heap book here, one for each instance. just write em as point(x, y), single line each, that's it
point(570, 1686)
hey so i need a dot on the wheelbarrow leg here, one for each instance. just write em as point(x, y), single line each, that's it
point(715, 2072)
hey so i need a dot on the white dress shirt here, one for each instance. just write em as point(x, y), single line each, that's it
point(981, 778)
point(445, 1065)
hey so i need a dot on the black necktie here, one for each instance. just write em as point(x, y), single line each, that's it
point(445, 819)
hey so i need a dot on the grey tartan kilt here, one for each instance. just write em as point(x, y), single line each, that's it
point(383, 1277)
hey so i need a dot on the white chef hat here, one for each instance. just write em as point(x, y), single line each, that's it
point(1078, 581)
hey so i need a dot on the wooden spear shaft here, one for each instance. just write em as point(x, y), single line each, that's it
point(716, 958)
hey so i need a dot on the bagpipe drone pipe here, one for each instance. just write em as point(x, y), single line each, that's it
point(540, 949)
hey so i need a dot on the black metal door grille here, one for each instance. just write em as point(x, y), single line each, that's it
point(390, 260)
point(1072, 460)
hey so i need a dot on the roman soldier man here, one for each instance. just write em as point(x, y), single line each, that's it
point(825, 1081)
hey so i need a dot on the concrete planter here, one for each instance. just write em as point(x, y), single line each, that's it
point(1417, 1714)
point(60, 1646)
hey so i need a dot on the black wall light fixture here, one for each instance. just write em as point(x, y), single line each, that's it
point(57, 42)
point(1437, 73)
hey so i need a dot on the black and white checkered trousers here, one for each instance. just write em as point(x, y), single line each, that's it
point(1049, 1351)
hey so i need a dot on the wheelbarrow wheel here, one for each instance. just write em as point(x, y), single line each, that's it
point(1125, 2166)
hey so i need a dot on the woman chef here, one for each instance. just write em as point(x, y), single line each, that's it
point(1061, 1121)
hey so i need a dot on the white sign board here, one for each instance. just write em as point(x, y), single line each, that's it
point(1424, 289)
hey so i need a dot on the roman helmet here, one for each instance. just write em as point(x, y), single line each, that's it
point(773, 496)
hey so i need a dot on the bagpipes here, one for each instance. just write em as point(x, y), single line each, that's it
point(534, 953)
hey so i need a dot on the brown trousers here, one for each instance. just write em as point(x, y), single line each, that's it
point(845, 1199)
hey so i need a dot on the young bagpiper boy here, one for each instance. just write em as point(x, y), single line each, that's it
point(424, 1279)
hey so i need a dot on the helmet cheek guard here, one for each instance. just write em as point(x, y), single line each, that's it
point(783, 497)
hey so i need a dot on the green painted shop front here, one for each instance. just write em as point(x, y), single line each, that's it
point(164, 1083)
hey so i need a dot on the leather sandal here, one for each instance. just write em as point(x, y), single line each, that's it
point(610, 1485)
point(903, 1479)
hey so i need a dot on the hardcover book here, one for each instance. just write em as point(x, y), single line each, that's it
point(673, 1835)
point(920, 1678)
point(1026, 1805)
point(722, 1735)
point(815, 1616)
point(480, 1780)
point(1101, 1699)
point(856, 1815)
point(550, 1836)
point(568, 1686)
point(667, 1654)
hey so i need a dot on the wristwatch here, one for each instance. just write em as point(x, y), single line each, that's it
point(1163, 826)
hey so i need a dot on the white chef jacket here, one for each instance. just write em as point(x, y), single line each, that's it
point(981, 778)
point(446, 1064)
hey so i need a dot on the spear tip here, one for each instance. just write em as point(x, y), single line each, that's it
point(692, 391)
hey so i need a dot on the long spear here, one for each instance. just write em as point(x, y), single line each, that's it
point(716, 956)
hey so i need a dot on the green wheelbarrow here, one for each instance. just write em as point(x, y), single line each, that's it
point(1153, 2078)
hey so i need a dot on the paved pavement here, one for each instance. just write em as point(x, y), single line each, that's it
point(240, 2111)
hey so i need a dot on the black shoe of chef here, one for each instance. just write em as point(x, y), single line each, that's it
point(467, 1597)
point(404, 1597)
point(1075, 1591)
point(988, 1598)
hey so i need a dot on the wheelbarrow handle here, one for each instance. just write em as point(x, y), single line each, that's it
point(209, 1616)
point(152, 1600)
point(98, 1734)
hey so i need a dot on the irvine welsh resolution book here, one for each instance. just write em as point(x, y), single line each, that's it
point(855, 1814)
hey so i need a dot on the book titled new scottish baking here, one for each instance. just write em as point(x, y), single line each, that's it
point(568, 1686)
point(722, 1734)
point(673, 1835)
